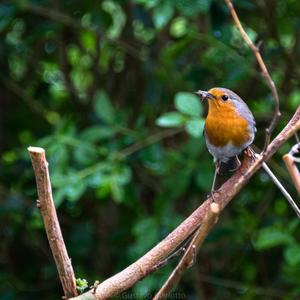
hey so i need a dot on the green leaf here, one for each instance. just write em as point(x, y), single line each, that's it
point(67, 187)
point(74, 55)
point(117, 190)
point(120, 177)
point(205, 175)
point(292, 255)
point(74, 188)
point(88, 40)
point(59, 154)
point(170, 119)
point(85, 154)
point(123, 175)
point(191, 7)
point(293, 225)
point(81, 284)
point(118, 16)
point(179, 27)
point(74, 192)
point(194, 127)
point(188, 103)
point(162, 14)
point(147, 3)
point(59, 196)
point(96, 179)
point(294, 99)
point(146, 233)
point(104, 108)
point(96, 133)
point(271, 237)
point(104, 187)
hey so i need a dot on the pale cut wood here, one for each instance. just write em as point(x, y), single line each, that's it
point(293, 170)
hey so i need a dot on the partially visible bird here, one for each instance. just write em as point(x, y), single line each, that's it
point(229, 128)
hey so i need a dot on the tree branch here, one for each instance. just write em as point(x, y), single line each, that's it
point(264, 70)
point(189, 257)
point(143, 266)
point(48, 211)
point(290, 162)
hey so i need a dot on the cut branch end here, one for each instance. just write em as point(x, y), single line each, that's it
point(215, 208)
point(38, 150)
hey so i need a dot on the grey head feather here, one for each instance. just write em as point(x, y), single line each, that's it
point(241, 107)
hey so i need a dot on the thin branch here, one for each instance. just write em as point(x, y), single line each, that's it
point(143, 266)
point(264, 70)
point(178, 252)
point(189, 257)
point(48, 211)
point(282, 189)
point(290, 163)
point(151, 139)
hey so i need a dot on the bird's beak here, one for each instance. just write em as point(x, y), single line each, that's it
point(204, 95)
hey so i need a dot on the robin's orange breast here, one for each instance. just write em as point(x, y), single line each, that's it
point(224, 125)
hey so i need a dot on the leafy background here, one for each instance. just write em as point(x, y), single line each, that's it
point(105, 87)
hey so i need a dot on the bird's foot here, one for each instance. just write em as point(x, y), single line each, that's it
point(212, 196)
point(250, 153)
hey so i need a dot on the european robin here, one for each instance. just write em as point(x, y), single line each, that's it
point(229, 128)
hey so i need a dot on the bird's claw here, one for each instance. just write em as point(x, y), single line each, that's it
point(250, 153)
point(212, 196)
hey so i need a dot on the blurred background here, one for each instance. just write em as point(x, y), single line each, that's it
point(106, 87)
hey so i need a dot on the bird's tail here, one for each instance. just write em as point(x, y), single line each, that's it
point(231, 165)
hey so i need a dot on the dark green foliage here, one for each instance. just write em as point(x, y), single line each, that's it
point(106, 87)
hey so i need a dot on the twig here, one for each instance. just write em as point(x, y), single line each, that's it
point(143, 266)
point(180, 251)
point(282, 189)
point(264, 70)
point(191, 252)
point(290, 163)
point(151, 139)
point(48, 211)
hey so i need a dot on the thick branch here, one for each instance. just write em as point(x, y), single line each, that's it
point(189, 257)
point(264, 70)
point(143, 266)
point(48, 211)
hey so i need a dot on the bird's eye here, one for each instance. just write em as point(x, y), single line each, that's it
point(224, 97)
